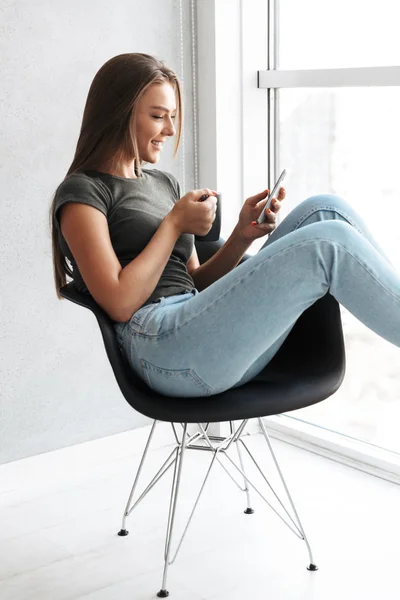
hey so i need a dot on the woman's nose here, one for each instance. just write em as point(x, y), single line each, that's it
point(169, 129)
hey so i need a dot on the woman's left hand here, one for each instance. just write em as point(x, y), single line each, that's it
point(252, 209)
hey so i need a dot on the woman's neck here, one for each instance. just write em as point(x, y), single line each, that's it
point(122, 169)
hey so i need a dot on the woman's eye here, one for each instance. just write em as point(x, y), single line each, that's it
point(156, 117)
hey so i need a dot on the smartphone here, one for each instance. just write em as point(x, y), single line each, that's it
point(276, 187)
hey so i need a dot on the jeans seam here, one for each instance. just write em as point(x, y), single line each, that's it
point(196, 379)
point(331, 208)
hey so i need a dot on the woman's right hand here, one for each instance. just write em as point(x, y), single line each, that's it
point(192, 216)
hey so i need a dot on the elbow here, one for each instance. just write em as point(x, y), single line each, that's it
point(124, 313)
point(124, 318)
point(121, 309)
point(121, 315)
point(118, 318)
point(117, 313)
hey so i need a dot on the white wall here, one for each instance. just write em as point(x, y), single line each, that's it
point(56, 385)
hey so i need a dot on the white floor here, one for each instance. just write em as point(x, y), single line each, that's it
point(60, 513)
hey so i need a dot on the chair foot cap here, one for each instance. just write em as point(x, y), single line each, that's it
point(312, 567)
point(163, 593)
point(249, 511)
point(123, 532)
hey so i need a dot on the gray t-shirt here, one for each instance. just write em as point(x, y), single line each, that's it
point(134, 209)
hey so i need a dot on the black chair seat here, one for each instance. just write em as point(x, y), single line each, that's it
point(308, 368)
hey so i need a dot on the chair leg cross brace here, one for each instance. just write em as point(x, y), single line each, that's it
point(219, 449)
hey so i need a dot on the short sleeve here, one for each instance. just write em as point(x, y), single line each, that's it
point(81, 189)
point(175, 185)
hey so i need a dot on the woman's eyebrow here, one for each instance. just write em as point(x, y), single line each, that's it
point(163, 108)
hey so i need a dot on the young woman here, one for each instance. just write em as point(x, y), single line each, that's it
point(129, 238)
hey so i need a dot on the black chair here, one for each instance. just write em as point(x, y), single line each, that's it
point(308, 368)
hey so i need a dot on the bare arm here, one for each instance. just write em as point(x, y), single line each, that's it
point(120, 292)
point(223, 261)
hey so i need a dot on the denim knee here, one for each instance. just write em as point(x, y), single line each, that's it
point(325, 202)
point(317, 208)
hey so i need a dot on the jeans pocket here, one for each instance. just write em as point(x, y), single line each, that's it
point(139, 319)
point(183, 383)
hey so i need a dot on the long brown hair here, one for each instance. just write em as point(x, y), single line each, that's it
point(107, 133)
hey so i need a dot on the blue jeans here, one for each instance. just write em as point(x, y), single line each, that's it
point(202, 343)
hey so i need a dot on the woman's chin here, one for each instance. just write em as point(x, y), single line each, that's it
point(151, 158)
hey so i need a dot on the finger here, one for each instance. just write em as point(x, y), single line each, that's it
point(270, 223)
point(254, 199)
point(211, 203)
point(270, 227)
point(275, 205)
point(271, 217)
point(203, 194)
point(282, 193)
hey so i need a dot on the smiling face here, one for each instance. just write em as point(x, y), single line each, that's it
point(154, 120)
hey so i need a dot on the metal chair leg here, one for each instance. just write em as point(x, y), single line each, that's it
point(180, 451)
point(294, 523)
point(160, 473)
point(312, 566)
point(123, 531)
point(249, 510)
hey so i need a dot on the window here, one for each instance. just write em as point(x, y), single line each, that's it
point(283, 83)
point(336, 34)
point(333, 97)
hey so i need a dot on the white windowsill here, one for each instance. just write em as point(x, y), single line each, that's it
point(335, 446)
